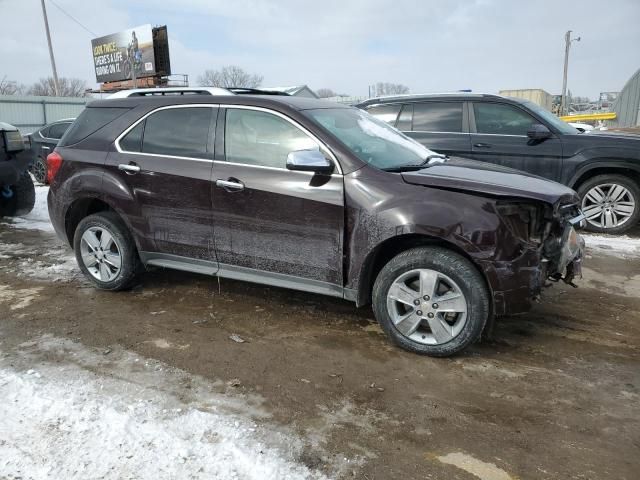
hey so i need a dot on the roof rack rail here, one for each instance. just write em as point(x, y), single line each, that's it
point(254, 91)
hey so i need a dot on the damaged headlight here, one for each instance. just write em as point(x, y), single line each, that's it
point(524, 220)
point(571, 247)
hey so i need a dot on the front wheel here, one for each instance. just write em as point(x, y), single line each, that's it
point(431, 301)
point(610, 203)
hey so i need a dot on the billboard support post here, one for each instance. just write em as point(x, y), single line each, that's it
point(56, 84)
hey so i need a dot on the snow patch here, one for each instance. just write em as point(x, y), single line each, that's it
point(66, 269)
point(620, 246)
point(18, 298)
point(478, 468)
point(60, 264)
point(91, 415)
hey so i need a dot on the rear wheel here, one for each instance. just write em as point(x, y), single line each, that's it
point(431, 301)
point(39, 170)
point(18, 199)
point(106, 252)
point(610, 203)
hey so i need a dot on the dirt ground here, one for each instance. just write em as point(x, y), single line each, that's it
point(555, 394)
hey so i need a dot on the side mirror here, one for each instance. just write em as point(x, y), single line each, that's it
point(309, 161)
point(538, 131)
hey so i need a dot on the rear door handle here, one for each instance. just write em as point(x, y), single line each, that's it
point(230, 184)
point(130, 168)
point(482, 145)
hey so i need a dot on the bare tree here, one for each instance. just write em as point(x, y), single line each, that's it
point(229, 76)
point(68, 87)
point(386, 88)
point(326, 93)
point(8, 87)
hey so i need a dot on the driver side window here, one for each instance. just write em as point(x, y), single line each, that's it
point(259, 138)
point(501, 119)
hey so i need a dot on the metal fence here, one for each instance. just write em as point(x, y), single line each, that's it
point(29, 113)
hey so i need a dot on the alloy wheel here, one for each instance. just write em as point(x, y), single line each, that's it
point(101, 254)
point(39, 171)
point(608, 205)
point(427, 306)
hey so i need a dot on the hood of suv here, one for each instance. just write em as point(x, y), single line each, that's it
point(481, 177)
point(612, 136)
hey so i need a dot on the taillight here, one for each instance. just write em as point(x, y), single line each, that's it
point(54, 162)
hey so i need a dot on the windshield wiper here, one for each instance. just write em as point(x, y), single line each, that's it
point(428, 162)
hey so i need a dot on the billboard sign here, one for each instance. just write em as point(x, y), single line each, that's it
point(122, 55)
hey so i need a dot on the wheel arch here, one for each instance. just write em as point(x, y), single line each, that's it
point(602, 168)
point(89, 205)
point(389, 248)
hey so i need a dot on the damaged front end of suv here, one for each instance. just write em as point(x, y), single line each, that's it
point(551, 248)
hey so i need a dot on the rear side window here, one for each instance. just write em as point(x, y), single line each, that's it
point(386, 113)
point(90, 121)
point(57, 130)
point(501, 119)
point(180, 132)
point(437, 117)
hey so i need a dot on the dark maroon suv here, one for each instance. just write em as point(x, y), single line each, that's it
point(310, 195)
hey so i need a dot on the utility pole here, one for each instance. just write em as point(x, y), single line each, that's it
point(567, 45)
point(56, 85)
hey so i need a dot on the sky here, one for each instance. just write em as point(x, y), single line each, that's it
point(347, 45)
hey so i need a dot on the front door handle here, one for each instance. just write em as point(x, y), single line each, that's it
point(482, 145)
point(230, 184)
point(129, 168)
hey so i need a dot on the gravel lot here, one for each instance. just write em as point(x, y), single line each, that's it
point(190, 377)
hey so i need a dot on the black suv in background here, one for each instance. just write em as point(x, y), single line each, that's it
point(42, 142)
point(17, 194)
point(603, 168)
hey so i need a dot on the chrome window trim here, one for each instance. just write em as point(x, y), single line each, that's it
point(264, 167)
point(212, 105)
point(499, 135)
point(432, 131)
point(144, 117)
point(292, 122)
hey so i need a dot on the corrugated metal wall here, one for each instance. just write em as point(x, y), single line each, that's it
point(627, 105)
point(30, 113)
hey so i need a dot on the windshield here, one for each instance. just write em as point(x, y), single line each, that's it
point(370, 139)
point(549, 117)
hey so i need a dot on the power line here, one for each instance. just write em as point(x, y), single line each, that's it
point(71, 17)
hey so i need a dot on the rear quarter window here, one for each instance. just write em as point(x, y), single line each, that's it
point(437, 117)
point(386, 113)
point(90, 121)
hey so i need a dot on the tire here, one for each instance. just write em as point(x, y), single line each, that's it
point(39, 170)
point(604, 212)
point(22, 200)
point(453, 275)
point(106, 253)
